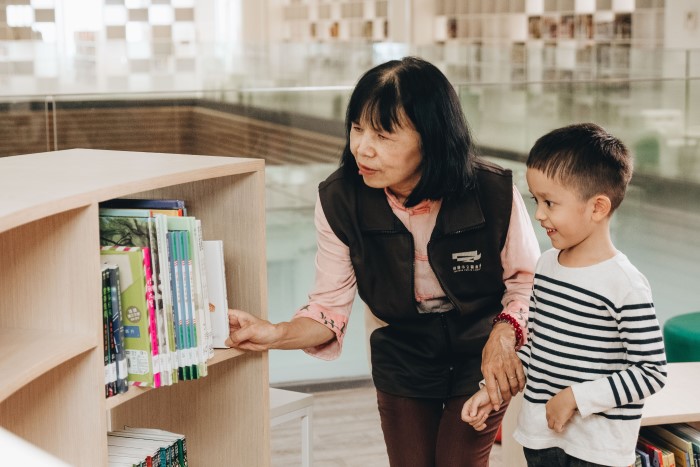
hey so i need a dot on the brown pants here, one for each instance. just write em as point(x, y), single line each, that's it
point(431, 433)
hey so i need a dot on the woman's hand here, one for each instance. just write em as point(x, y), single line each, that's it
point(500, 366)
point(247, 332)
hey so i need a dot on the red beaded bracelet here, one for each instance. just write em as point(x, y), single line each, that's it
point(506, 318)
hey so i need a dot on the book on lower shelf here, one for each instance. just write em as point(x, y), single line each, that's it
point(669, 445)
point(174, 444)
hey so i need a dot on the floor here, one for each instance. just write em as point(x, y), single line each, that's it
point(346, 433)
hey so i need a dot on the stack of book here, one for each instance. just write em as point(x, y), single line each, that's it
point(164, 294)
point(146, 447)
point(672, 445)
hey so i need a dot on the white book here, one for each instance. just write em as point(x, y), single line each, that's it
point(216, 285)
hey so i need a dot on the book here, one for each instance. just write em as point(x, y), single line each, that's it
point(177, 204)
point(176, 442)
point(165, 293)
point(190, 308)
point(136, 227)
point(117, 327)
point(689, 433)
point(215, 272)
point(153, 327)
point(655, 455)
point(204, 301)
point(138, 212)
point(682, 448)
point(137, 341)
point(154, 449)
point(643, 458)
point(176, 281)
point(105, 333)
point(196, 307)
point(672, 456)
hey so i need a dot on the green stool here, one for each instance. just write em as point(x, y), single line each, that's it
point(682, 338)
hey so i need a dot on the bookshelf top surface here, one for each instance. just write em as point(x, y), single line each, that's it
point(678, 401)
point(34, 186)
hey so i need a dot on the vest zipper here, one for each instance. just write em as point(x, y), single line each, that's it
point(451, 368)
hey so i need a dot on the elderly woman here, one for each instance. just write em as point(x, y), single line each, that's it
point(440, 247)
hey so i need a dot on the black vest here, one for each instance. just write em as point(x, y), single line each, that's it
point(426, 354)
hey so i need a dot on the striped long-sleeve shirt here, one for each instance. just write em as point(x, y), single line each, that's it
point(595, 329)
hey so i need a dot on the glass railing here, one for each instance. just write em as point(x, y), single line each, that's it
point(299, 131)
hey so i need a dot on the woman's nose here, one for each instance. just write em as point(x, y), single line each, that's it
point(365, 147)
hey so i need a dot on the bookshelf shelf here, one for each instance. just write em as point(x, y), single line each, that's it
point(51, 358)
point(24, 357)
point(220, 355)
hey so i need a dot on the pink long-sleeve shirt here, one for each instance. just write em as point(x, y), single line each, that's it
point(331, 299)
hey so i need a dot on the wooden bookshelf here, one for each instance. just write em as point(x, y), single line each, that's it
point(677, 402)
point(51, 360)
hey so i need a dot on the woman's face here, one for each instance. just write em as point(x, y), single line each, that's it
point(387, 159)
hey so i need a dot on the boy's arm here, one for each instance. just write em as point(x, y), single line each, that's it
point(477, 409)
point(645, 371)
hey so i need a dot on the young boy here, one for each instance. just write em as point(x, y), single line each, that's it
point(595, 349)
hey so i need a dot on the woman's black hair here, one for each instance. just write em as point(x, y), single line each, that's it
point(420, 91)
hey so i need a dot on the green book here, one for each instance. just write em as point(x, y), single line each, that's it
point(137, 339)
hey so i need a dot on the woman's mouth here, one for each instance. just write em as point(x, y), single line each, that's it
point(362, 170)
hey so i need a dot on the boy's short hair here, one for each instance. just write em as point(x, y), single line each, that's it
point(585, 157)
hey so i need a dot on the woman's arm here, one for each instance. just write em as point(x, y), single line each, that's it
point(319, 326)
point(500, 366)
point(247, 332)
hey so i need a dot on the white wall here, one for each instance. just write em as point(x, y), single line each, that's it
point(682, 24)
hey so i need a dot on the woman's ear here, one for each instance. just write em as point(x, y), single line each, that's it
point(602, 207)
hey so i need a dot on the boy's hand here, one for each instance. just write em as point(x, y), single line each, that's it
point(560, 409)
point(477, 409)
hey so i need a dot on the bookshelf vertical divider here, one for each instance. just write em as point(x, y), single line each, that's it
point(51, 362)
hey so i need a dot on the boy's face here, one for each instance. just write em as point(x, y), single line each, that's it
point(560, 210)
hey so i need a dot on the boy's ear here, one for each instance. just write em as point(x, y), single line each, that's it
point(601, 207)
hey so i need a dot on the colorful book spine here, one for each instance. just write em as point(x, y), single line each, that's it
point(178, 303)
point(105, 332)
point(152, 323)
point(166, 293)
point(145, 203)
point(190, 322)
point(118, 328)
